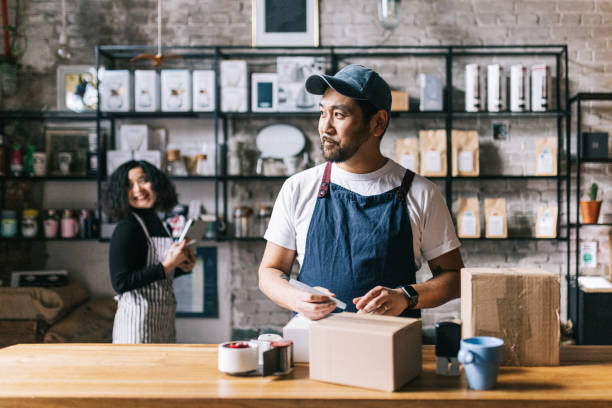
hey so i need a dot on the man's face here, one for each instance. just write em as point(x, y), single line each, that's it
point(341, 126)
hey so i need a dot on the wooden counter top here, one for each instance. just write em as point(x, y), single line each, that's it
point(104, 375)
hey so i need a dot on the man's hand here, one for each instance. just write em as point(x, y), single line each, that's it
point(383, 301)
point(314, 307)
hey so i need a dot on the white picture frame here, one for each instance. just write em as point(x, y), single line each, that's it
point(77, 88)
point(264, 92)
point(285, 23)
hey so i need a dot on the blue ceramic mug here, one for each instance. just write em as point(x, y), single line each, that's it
point(480, 357)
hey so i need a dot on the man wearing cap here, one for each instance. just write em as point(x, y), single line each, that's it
point(359, 223)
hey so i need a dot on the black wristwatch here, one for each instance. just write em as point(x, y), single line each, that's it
point(412, 295)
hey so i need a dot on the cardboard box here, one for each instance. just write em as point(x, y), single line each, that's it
point(370, 351)
point(399, 101)
point(297, 330)
point(518, 305)
point(147, 94)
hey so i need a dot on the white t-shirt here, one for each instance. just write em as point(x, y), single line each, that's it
point(433, 231)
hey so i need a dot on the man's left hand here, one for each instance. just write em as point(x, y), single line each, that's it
point(383, 301)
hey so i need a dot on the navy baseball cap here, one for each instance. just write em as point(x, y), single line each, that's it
point(356, 82)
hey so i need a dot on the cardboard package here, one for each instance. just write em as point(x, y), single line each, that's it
point(407, 153)
point(432, 145)
point(297, 330)
point(399, 101)
point(370, 351)
point(466, 158)
point(468, 218)
point(518, 305)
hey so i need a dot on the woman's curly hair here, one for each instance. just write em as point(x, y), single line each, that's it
point(115, 198)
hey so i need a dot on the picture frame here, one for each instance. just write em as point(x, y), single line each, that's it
point(264, 92)
point(285, 23)
point(75, 142)
point(77, 88)
point(196, 292)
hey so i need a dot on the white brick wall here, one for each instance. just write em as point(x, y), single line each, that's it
point(586, 26)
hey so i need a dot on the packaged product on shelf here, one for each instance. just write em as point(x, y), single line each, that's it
point(546, 223)
point(134, 137)
point(292, 74)
point(496, 88)
point(204, 99)
point(176, 90)
point(432, 145)
point(518, 88)
point(588, 254)
point(539, 87)
point(496, 221)
point(233, 79)
point(473, 96)
point(152, 156)
point(466, 159)
point(399, 101)
point(114, 159)
point(431, 87)
point(264, 92)
point(147, 92)
point(116, 91)
point(546, 156)
point(407, 153)
point(468, 218)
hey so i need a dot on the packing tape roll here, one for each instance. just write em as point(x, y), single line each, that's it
point(238, 357)
point(265, 341)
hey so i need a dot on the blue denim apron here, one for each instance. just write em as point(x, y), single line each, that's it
point(356, 242)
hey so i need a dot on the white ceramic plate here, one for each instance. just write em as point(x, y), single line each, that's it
point(280, 141)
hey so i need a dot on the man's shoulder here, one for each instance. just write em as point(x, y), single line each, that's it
point(306, 177)
point(420, 184)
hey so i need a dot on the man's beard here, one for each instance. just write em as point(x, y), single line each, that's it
point(341, 154)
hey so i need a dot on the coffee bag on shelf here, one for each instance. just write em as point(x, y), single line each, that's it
point(496, 220)
point(432, 144)
point(407, 153)
point(546, 223)
point(465, 153)
point(468, 218)
point(546, 156)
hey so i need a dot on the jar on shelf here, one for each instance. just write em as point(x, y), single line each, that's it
point(69, 225)
point(264, 212)
point(174, 163)
point(9, 223)
point(242, 216)
point(51, 224)
point(29, 223)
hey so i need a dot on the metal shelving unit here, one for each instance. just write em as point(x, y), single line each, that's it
point(111, 55)
point(578, 161)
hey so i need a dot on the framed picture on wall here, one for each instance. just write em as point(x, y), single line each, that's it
point(264, 92)
point(66, 150)
point(196, 292)
point(76, 88)
point(285, 23)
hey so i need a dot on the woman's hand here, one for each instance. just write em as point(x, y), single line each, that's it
point(176, 255)
point(382, 300)
point(314, 307)
point(187, 266)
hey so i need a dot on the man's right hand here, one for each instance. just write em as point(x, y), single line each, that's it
point(314, 307)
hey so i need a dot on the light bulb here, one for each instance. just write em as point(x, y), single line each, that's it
point(389, 13)
point(63, 52)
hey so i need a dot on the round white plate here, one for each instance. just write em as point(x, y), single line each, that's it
point(280, 140)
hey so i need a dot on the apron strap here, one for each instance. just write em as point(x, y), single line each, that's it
point(324, 187)
point(405, 187)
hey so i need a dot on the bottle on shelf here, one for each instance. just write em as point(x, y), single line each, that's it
point(174, 163)
point(9, 223)
point(51, 224)
point(2, 156)
point(29, 223)
point(16, 161)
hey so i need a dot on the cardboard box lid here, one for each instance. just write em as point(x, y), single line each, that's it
point(366, 323)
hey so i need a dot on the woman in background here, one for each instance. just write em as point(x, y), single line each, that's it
point(143, 257)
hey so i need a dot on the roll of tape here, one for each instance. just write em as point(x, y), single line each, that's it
point(238, 357)
point(265, 340)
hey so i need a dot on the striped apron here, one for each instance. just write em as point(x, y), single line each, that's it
point(147, 314)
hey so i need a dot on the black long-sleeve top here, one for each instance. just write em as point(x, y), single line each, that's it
point(128, 252)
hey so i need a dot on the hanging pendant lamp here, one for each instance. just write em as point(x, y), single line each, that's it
point(158, 59)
